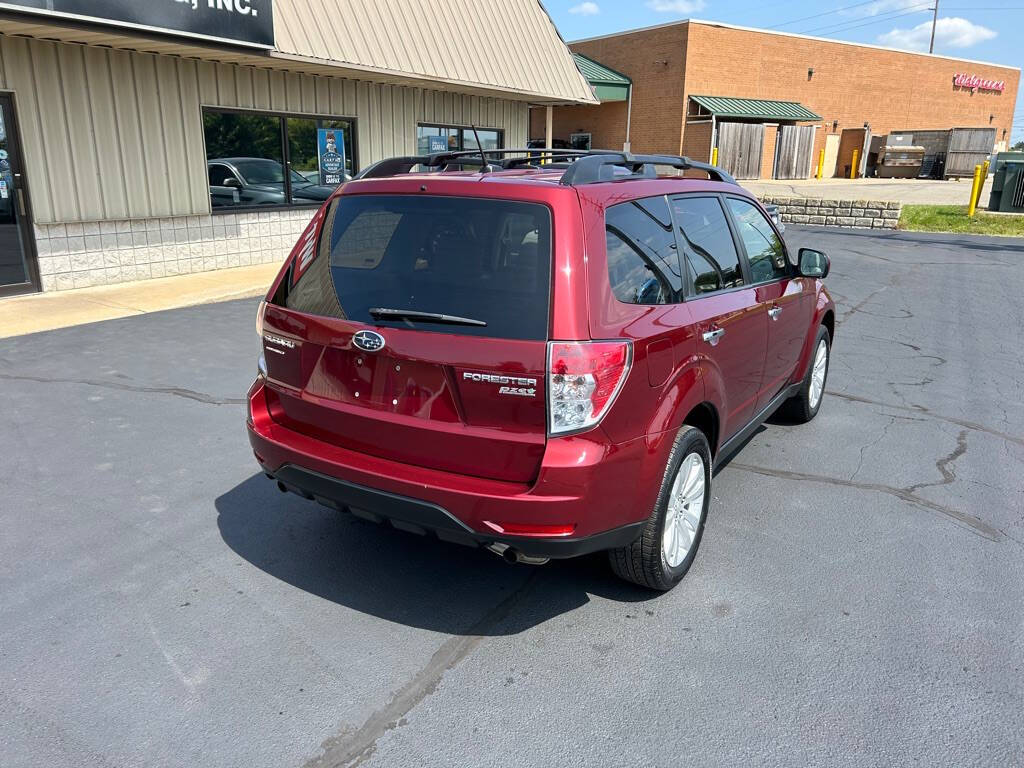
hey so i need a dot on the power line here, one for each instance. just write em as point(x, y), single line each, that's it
point(879, 16)
point(844, 26)
point(823, 13)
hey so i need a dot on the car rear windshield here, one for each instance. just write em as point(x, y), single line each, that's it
point(470, 259)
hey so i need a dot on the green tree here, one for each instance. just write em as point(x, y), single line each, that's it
point(239, 135)
point(1018, 147)
point(302, 146)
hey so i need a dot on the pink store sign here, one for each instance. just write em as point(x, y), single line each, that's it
point(975, 83)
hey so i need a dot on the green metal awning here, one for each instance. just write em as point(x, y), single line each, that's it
point(755, 109)
point(608, 84)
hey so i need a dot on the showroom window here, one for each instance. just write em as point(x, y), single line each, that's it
point(247, 152)
point(579, 141)
point(442, 138)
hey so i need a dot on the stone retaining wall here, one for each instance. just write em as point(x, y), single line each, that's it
point(867, 214)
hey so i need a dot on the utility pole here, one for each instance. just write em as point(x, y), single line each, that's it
point(935, 21)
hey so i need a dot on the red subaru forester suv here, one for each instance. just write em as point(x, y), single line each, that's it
point(544, 354)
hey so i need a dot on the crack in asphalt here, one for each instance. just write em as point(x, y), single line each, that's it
point(920, 354)
point(189, 394)
point(969, 522)
point(873, 443)
point(922, 383)
point(943, 465)
point(907, 314)
point(974, 426)
point(859, 305)
point(355, 747)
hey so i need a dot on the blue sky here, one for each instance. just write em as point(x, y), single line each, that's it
point(984, 30)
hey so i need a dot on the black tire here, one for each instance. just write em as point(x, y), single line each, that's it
point(798, 408)
point(643, 561)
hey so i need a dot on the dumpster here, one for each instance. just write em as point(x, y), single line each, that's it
point(900, 162)
point(1008, 183)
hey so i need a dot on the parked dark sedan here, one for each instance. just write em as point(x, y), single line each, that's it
point(258, 181)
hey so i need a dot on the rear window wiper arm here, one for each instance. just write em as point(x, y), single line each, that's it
point(383, 313)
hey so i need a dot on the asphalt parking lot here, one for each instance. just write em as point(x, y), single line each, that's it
point(858, 598)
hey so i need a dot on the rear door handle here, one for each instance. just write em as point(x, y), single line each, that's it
point(774, 313)
point(712, 337)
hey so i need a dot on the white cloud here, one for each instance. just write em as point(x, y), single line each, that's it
point(676, 6)
point(952, 32)
point(585, 9)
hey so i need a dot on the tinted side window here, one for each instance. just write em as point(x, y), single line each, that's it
point(643, 265)
point(710, 253)
point(765, 252)
point(218, 173)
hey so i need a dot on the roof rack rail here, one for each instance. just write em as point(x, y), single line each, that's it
point(601, 167)
point(582, 166)
point(394, 166)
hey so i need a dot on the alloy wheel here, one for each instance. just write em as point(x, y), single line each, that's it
point(818, 374)
point(685, 506)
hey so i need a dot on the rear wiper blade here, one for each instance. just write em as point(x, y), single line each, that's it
point(383, 313)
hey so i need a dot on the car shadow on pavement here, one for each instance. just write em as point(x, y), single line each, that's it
point(412, 580)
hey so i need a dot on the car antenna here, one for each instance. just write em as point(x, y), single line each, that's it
point(483, 157)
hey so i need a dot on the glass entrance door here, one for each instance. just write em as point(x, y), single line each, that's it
point(18, 270)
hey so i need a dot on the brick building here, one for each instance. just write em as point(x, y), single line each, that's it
point(696, 85)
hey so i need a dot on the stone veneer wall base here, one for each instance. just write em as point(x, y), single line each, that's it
point(108, 252)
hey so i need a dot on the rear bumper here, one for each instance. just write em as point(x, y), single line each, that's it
point(424, 518)
point(600, 490)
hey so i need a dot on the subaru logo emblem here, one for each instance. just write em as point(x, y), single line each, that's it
point(368, 341)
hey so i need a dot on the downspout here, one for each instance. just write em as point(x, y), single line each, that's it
point(629, 112)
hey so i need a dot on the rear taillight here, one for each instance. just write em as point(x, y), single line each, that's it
point(583, 379)
point(261, 363)
point(259, 318)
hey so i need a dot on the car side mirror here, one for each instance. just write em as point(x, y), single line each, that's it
point(231, 181)
point(814, 263)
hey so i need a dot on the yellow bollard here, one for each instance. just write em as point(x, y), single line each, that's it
point(975, 191)
point(821, 164)
point(984, 177)
point(853, 164)
point(714, 156)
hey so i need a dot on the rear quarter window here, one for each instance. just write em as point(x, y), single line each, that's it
point(482, 259)
point(643, 263)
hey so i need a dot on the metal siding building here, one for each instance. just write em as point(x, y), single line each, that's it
point(113, 161)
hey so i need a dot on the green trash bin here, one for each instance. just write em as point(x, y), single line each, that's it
point(1008, 183)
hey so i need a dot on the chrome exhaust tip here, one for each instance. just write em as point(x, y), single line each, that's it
point(510, 555)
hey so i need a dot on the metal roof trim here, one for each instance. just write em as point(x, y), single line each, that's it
point(773, 109)
point(413, 80)
point(597, 73)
